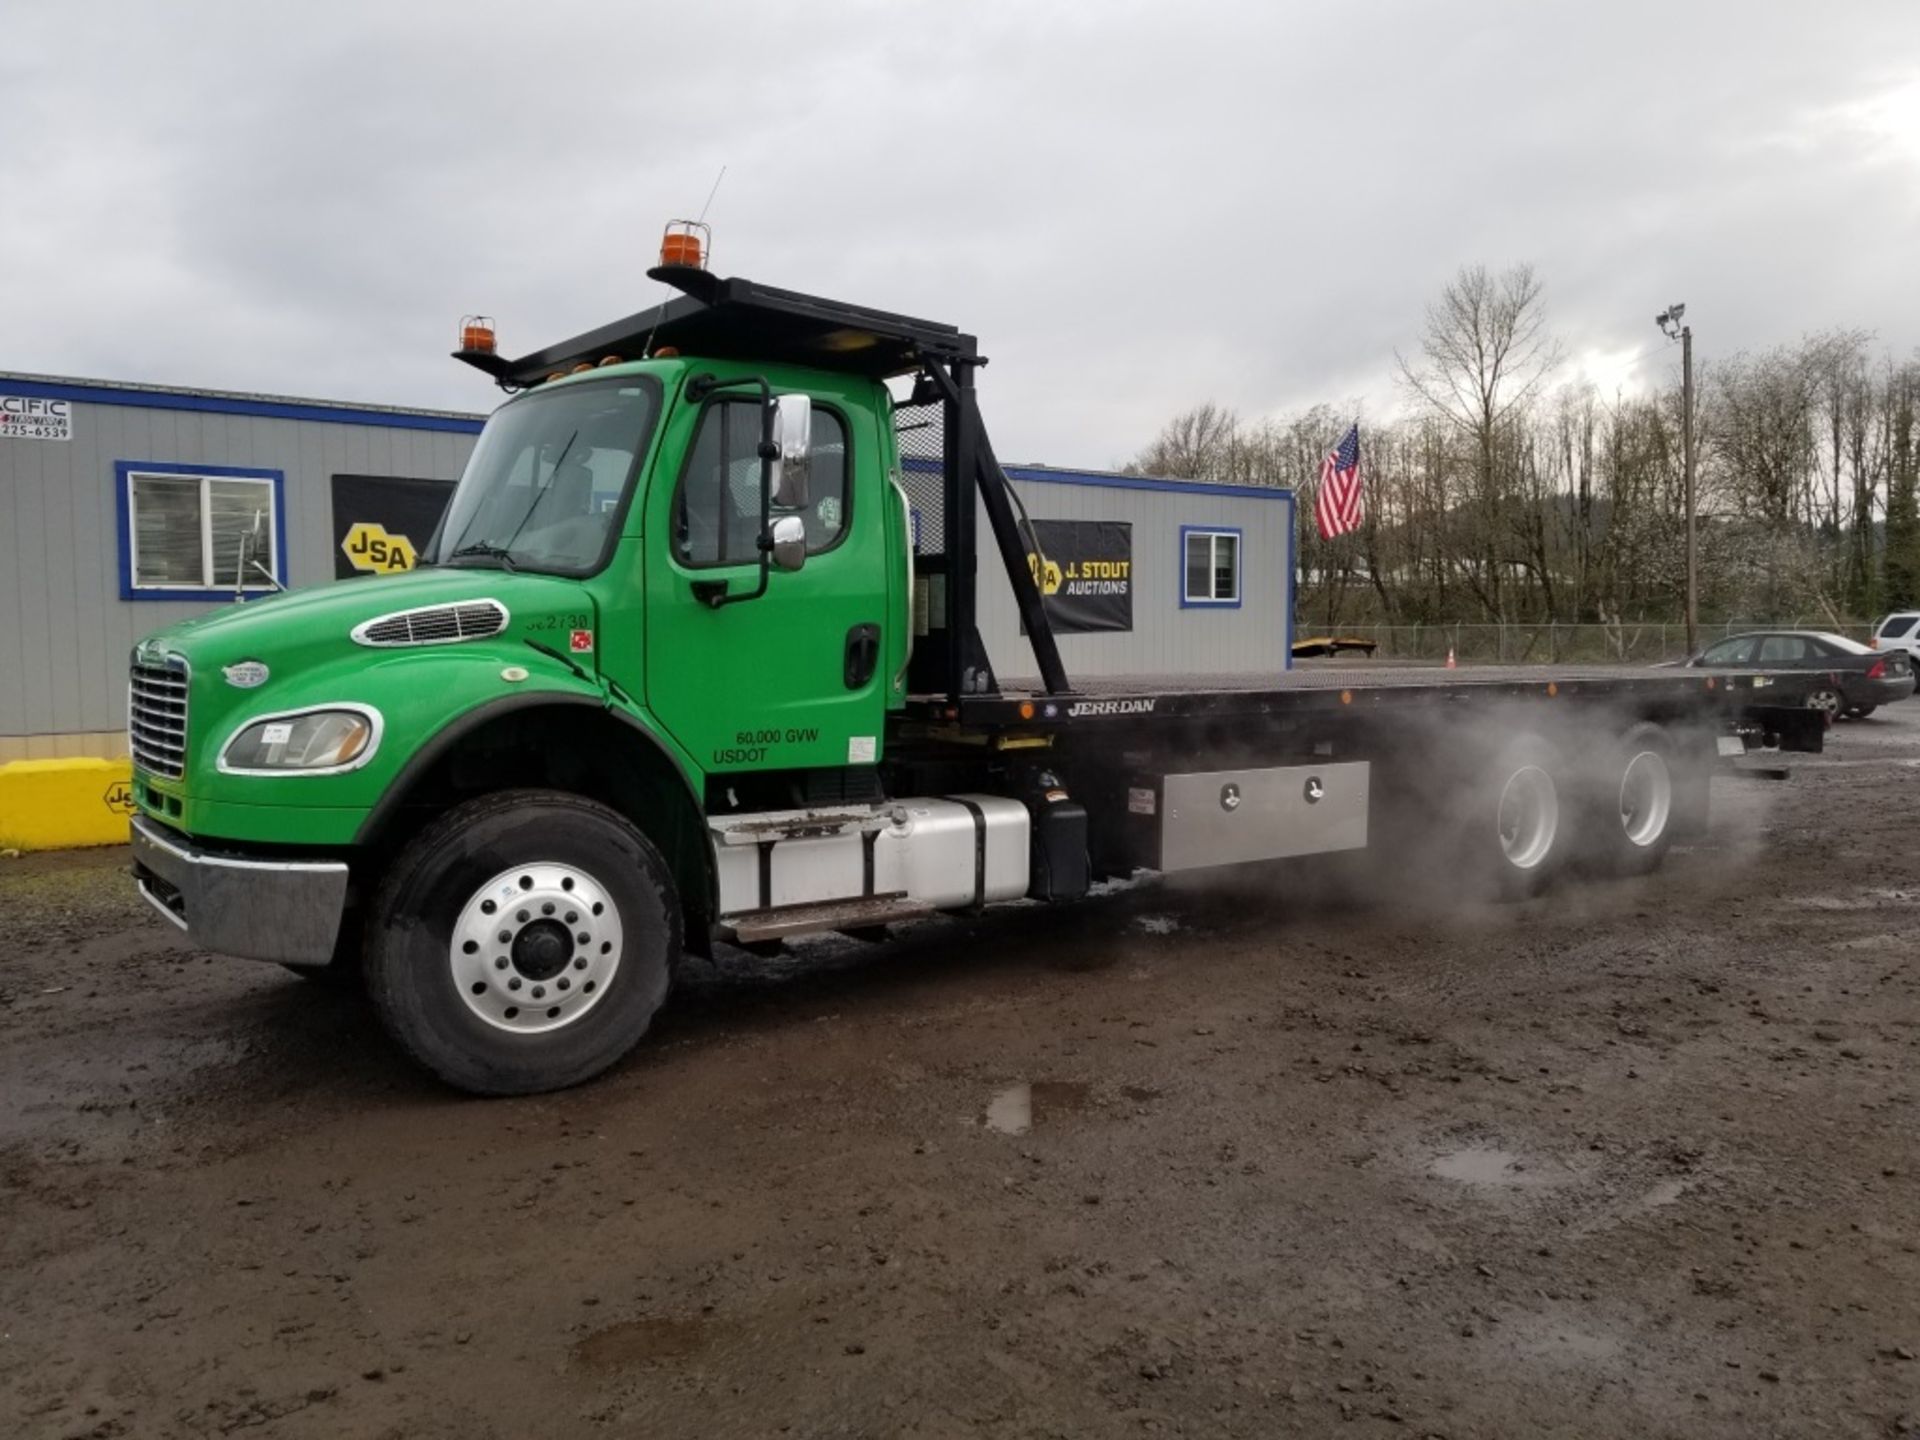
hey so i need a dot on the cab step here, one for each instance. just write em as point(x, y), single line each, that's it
point(861, 913)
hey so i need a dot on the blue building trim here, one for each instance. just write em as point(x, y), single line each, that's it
point(233, 405)
point(124, 470)
point(1239, 567)
point(1108, 480)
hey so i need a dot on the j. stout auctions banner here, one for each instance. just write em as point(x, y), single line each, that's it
point(1086, 577)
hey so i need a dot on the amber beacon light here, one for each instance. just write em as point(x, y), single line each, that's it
point(476, 335)
point(686, 242)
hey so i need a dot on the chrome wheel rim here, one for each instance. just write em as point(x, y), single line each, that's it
point(1529, 817)
point(1827, 701)
point(1646, 798)
point(535, 948)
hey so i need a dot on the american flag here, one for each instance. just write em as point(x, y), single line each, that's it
point(1337, 508)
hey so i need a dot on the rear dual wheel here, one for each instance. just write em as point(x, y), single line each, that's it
point(1514, 836)
point(1635, 801)
point(1530, 811)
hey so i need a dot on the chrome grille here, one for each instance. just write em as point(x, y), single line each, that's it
point(157, 715)
point(434, 624)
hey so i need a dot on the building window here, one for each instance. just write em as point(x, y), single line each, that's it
point(1210, 566)
point(198, 532)
point(716, 518)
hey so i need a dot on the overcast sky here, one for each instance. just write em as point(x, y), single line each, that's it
point(1137, 207)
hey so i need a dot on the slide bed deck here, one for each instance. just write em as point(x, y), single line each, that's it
point(1024, 702)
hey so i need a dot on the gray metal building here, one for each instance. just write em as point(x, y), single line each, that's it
point(122, 508)
point(1209, 575)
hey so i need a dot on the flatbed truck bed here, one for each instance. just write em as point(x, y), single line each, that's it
point(1025, 702)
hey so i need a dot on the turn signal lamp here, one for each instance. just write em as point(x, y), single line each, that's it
point(686, 242)
point(476, 334)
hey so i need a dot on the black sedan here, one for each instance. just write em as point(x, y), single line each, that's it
point(1859, 679)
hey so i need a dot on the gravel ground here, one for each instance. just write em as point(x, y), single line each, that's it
point(1638, 1159)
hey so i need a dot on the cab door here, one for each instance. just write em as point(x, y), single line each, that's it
point(792, 679)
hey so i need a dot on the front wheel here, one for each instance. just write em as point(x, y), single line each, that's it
point(523, 942)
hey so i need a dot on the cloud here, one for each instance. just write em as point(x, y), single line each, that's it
point(1136, 206)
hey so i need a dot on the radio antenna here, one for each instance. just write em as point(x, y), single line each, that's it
point(713, 192)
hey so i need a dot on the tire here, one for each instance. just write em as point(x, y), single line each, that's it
point(585, 963)
point(1861, 712)
point(1829, 701)
point(1516, 829)
point(1636, 804)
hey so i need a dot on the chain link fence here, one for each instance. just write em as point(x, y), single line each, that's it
point(1548, 643)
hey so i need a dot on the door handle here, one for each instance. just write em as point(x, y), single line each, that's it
point(862, 655)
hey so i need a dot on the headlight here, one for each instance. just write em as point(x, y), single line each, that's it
point(312, 741)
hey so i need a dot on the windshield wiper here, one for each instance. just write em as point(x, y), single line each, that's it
point(502, 553)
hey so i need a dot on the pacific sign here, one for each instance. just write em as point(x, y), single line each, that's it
point(26, 417)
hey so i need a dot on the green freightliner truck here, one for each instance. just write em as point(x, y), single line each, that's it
point(675, 670)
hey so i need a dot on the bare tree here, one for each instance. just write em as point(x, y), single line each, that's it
point(1485, 357)
point(1196, 444)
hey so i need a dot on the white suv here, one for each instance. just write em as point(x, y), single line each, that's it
point(1900, 631)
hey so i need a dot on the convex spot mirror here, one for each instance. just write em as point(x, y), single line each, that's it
point(793, 454)
point(787, 542)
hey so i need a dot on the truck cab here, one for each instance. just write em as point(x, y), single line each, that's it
point(665, 621)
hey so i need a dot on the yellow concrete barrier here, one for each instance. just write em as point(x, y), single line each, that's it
point(63, 804)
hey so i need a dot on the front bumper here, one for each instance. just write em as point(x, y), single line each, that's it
point(283, 910)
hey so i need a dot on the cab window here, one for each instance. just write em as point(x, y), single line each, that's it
point(1729, 652)
point(716, 516)
point(1782, 647)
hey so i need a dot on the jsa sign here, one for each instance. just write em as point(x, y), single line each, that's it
point(23, 417)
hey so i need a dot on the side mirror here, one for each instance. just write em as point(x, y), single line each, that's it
point(793, 459)
point(787, 541)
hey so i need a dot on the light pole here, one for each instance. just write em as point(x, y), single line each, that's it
point(1669, 322)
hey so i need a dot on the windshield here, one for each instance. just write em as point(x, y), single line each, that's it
point(547, 478)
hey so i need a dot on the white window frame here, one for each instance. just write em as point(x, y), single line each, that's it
point(253, 582)
point(1213, 534)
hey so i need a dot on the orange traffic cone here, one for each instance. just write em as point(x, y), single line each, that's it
point(1450, 664)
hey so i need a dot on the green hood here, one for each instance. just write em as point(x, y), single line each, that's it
point(336, 608)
